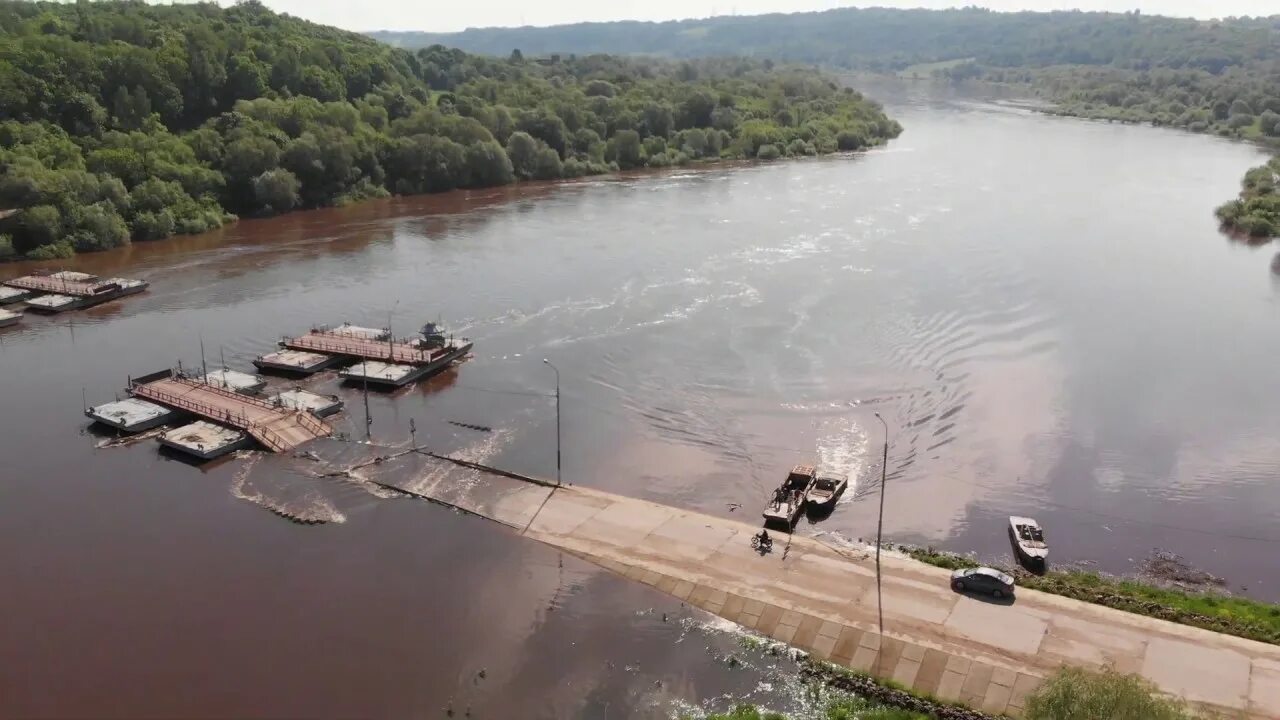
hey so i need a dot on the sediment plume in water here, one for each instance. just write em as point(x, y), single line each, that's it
point(309, 507)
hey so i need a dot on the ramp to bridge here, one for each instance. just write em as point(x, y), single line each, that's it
point(823, 599)
point(279, 429)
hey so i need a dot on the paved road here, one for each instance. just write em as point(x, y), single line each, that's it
point(823, 600)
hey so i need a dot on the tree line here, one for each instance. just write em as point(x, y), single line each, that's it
point(1220, 77)
point(883, 39)
point(124, 121)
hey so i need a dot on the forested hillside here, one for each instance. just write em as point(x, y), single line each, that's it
point(886, 39)
point(1219, 77)
point(125, 121)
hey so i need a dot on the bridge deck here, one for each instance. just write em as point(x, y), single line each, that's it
point(279, 429)
point(58, 286)
point(333, 343)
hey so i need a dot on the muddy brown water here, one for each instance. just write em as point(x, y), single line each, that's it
point(1042, 308)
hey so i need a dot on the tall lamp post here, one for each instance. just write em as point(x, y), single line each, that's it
point(557, 371)
point(884, 467)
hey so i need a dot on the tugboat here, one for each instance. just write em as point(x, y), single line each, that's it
point(789, 498)
point(1028, 539)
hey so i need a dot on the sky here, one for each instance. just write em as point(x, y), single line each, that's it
point(452, 15)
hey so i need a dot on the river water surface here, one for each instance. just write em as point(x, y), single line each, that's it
point(1042, 309)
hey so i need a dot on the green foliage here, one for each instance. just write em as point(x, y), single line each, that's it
point(768, 152)
point(276, 190)
point(169, 118)
point(884, 39)
point(1076, 694)
point(1257, 211)
point(7, 251)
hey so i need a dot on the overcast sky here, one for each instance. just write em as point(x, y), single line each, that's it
point(452, 15)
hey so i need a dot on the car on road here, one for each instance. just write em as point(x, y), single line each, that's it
point(984, 580)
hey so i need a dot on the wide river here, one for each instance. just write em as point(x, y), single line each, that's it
point(1042, 309)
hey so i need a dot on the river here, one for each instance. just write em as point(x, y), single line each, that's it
point(1042, 309)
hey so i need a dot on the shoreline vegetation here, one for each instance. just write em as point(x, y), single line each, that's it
point(1242, 617)
point(122, 121)
point(1219, 77)
point(1070, 694)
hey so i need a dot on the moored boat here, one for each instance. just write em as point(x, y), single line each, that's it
point(788, 499)
point(1028, 538)
point(825, 490)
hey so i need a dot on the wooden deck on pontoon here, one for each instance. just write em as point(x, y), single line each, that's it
point(74, 288)
point(332, 343)
point(279, 429)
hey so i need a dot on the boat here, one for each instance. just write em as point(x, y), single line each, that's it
point(8, 318)
point(1028, 538)
point(825, 490)
point(788, 499)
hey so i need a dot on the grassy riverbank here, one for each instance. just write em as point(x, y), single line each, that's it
point(1237, 616)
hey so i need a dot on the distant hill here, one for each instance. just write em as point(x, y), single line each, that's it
point(885, 39)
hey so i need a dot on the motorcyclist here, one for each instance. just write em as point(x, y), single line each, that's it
point(765, 540)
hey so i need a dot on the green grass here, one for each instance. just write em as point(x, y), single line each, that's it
point(1238, 616)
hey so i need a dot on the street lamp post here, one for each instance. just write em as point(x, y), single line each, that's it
point(557, 371)
point(884, 467)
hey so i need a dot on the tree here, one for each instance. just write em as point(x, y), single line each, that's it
point(488, 165)
point(1269, 122)
point(547, 165)
point(768, 152)
point(276, 191)
point(1077, 694)
point(39, 225)
point(624, 149)
point(522, 149)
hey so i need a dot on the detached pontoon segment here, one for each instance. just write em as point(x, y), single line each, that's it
point(204, 440)
point(234, 380)
point(318, 405)
point(131, 414)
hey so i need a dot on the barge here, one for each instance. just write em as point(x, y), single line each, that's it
point(131, 415)
point(205, 440)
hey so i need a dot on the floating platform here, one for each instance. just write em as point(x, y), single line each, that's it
point(70, 290)
point(296, 361)
point(205, 440)
point(355, 331)
point(380, 373)
point(50, 304)
point(8, 318)
point(9, 295)
point(129, 286)
point(377, 372)
point(318, 405)
point(235, 381)
point(279, 429)
point(131, 414)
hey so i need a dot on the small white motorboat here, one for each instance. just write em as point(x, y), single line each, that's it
point(1028, 538)
point(825, 490)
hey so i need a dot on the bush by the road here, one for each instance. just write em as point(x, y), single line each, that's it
point(1075, 694)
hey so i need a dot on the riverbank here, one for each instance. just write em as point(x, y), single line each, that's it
point(1242, 617)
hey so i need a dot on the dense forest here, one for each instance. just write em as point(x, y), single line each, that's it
point(885, 39)
point(1220, 77)
point(125, 121)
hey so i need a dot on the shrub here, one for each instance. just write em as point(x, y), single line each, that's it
point(52, 251)
point(768, 152)
point(1076, 694)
